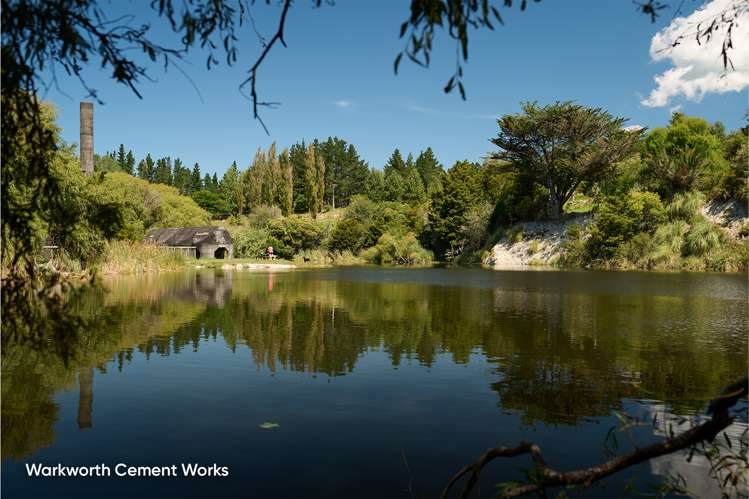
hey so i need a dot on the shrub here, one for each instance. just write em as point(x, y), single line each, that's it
point(701, 238)
point(685, 206)
point(347, 235)
point(293, 234)
point(620, 218)
point(251, 242)
point(398, 250)
point(262, 215)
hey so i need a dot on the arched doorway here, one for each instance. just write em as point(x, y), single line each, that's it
point(221, 253)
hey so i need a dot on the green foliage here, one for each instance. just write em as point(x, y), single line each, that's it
point(620, 218)
point(702, 238)
point(518, 197)
point(293, 234)
point(562, 145)
point(212, 202)
point(262, 215)
point(397, 249)
point(251, 242)
point(145, 205)
point(685, 205)
point(314, 177)
point(345, 172)
point(683, 156)
point(461, 190)
point(348, 235)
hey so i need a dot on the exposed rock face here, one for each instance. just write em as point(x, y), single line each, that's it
point(730, 214)
point(541, 243)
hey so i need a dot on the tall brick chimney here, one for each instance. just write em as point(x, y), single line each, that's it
point(87, 138)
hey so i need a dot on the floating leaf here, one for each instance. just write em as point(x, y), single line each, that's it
point(267, 426)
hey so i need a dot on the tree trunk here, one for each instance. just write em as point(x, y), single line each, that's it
point(555, 206)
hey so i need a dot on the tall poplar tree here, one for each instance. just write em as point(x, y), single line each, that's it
point(286, 186)
point(314, 174)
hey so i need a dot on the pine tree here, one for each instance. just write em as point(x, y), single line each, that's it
point(195, 182)
point(214, 183)
point(430, 171)
point(228, 187)
point(163, 171)
point(122, 158)
point(146, 168)
point(207, 182)
point(142, 169)
point(395, 163)
point(129, 162)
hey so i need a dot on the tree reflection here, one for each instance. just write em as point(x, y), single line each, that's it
point(557, 357)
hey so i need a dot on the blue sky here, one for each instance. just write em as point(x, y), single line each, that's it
point(336, 79)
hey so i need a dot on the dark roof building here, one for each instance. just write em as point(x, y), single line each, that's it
point(198, 242)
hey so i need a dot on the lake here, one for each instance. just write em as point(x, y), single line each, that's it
point(382, 382)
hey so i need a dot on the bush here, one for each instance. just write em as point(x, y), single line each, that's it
point(251, 242)
point(685, 206)
point(347, 235)
point(292, 234)
point(398, 250)
point(145, 205)
point(619, 219)
point(702, 238)
point(261, 215)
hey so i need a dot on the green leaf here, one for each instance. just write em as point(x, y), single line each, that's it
point(267, 426)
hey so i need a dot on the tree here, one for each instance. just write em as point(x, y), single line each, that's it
point(314, 174)
point(345, 172)
point(562, 145)
point(146, 168)
point(680, 155)
point(195, 181)
point(285, 199)
point(429, 170)
point(395, 163)
point(374, 187)
point(129, 163)
point(212, 203)
point(297, 158)
point(163, 172)
point(447, 215)
point(228, 187)
point(122, 158)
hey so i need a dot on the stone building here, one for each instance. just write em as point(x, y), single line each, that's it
point(196, 242)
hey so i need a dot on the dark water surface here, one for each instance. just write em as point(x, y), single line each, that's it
point(383, 382)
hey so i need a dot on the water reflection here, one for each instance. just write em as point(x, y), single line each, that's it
point(563, 347)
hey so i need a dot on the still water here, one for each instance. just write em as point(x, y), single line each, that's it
point(383, 382)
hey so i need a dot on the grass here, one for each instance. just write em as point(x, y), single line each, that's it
point(126, 257)
point(579, 203)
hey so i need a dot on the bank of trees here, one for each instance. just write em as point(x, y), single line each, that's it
point(645, 189)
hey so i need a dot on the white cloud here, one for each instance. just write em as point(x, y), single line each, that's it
point(698, 69)
point(343, 103)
